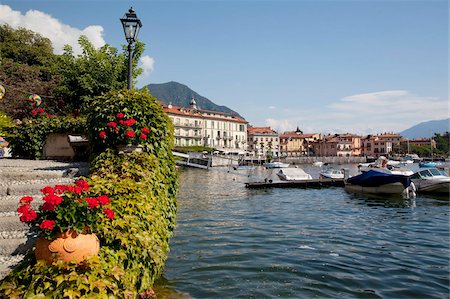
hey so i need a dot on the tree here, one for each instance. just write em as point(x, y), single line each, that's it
point(64, 82)
point(27, 62)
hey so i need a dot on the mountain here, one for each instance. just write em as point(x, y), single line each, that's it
point(427, 129)
point(180, 95)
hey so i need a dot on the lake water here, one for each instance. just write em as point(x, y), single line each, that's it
point(233, 242)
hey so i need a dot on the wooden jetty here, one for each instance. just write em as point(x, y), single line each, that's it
point(314, 183)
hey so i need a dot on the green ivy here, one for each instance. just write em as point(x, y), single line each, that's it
point(27, 139)
point(135, 245)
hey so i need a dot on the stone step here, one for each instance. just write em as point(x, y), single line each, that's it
point(30, 186)
point(15, 246)
point(12, 223)
point(8, 262)
point(9, 204)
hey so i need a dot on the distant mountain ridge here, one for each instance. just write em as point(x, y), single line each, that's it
point(178, 94)
point(427, 129)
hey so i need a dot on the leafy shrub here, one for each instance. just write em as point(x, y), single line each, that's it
point(27, 139)
point(106, 112)
point(5, 124)
point(135, 244)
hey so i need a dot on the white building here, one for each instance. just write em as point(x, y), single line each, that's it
point(214, 129)
point(263, 141)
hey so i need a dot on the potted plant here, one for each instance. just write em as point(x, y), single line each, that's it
point(65, 221)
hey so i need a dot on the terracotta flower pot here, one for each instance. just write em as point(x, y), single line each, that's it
point(69, 247)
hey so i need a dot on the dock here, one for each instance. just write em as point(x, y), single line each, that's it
point(314, 183)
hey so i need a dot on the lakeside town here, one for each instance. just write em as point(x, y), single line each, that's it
point(231, 134)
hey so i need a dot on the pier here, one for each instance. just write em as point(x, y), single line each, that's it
point(314, 183)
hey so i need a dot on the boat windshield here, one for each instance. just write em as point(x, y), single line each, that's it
point(434, 171)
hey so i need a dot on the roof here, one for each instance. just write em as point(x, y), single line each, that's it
point(260, 130)
point(175, 110)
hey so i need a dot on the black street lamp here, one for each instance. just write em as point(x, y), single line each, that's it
point(131, 25)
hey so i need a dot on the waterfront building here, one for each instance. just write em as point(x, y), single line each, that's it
point(428, 142)
point(296, 144)
point(339, 145)
point(263, 141)
point(196, 127)
point(380, 145)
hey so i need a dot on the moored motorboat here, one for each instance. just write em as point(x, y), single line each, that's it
point(431, 180)
point(385, 166)
point(428, 164)
point(293, 174)
point(332, 173)
point(276, 165)
point(377, 182)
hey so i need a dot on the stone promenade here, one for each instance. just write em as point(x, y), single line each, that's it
point(26, 177)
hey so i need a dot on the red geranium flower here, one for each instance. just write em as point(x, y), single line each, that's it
point(47, 190)
point(112, 124)
point(92, 202)
point(49, 115)
point(145, 130)
point(47, 224)
point(129, 134)
point(48, 207)
point(143, 136)
point(27, 214)
point(103, 200)
point(40, 110)
point(34, 112)
point(102, 134)
point(26, 199)
point(120, 115)
point(109, 213)
point(23, 208)
point(83, 184)
point(53, 199)
point(59, 189)
point(130, 122)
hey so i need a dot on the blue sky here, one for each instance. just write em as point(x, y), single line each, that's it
point(326, 66)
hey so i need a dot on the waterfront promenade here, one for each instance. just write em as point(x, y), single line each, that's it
point(26, 177)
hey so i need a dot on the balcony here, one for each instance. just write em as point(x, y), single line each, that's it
point(199, 136)
point(189, 125)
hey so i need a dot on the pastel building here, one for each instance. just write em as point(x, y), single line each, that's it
point(263, 141)
point(196, 127)
point(339, 145)
point(296, 144)
point(380, 145)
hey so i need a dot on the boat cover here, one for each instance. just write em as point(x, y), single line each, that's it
point(373, 178)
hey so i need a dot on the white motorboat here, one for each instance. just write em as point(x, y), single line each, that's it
point(293, 174)
point(385, 166)
point(276, 165)
point(431, 180)
point(332, 173)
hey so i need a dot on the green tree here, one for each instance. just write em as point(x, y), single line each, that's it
point(442, 143)
point(27, 62)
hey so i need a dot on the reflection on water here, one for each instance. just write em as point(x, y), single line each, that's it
point(233, 242)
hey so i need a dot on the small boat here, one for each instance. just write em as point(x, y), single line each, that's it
point(385, 166)
point(293, 174)
point(428, 164)
point(332, 173)
point(431, 180)
point(377, 182)
point(276, 165)
point(244, 167)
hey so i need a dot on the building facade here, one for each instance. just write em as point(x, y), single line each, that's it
point(262, 142)
point(380, 145)
point(195, 127)
point(296, 144)
point(339, 145)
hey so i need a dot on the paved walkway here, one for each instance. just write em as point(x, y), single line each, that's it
point(26, 177)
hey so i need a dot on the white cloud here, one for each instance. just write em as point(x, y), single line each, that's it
point(272, 107)
point(368, 113)
point(147, 63)
point(59, 33)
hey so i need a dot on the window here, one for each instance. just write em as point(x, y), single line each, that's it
point(241, 128)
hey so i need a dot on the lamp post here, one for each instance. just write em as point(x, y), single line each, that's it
point(131, 25)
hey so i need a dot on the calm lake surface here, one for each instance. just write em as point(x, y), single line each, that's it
point(233, 242)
